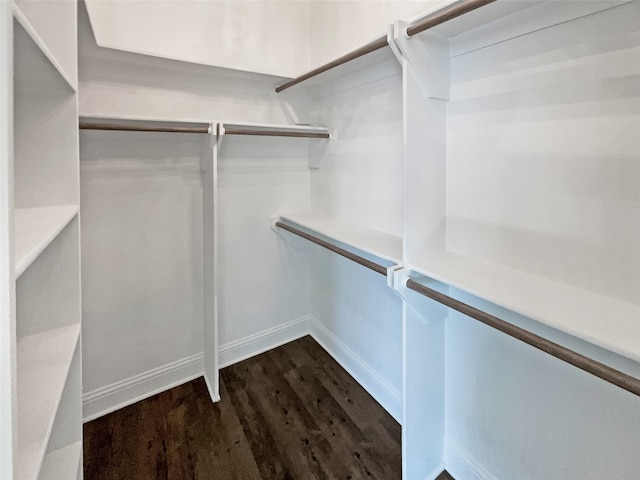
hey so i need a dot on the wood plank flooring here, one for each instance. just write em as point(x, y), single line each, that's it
point(289, 414)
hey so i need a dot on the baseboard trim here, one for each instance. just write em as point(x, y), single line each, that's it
point(108, 399)
point(247, 347)
point(112, 397)
point(374, 384)
point(462, 466)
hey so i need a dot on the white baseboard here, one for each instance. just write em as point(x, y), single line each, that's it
point(464, 467)
point(384, 393)
point(107, 399)
point(247, 347)
point(126, 392)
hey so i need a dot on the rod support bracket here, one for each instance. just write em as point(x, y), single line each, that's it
point(427, 55)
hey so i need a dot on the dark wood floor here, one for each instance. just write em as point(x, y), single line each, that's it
point(290, 413)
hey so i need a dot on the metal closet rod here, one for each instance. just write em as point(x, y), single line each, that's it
point(600, 370)
point(426, 23)
point(141, 128)
point(340, 251)
point(273, 133)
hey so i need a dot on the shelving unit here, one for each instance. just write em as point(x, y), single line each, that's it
point(518, 193)
point(47, 435)
point(609, 323)
point(474, 235)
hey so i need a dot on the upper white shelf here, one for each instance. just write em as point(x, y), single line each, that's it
point(44, 360)
point(374, 242)
point(603, 321)
point(35, 229)
point(47, 48)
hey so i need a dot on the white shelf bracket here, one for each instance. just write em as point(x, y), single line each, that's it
point(206, 150)
point(391, 40)
point(427, 55)
point(397, 279)
point(219, 134)
point(292, 102)
point(298, 243)
point(394, 275)
point(320, 149)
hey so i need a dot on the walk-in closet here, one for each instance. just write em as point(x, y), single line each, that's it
point(316, 239)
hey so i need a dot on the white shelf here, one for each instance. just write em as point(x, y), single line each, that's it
point(377, 243)
point(62, 464)
point(46, 60)
point(44, 361)
point(35, 229)
point(603, 321)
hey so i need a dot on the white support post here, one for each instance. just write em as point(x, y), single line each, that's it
point(209, 161)
point(423, 380)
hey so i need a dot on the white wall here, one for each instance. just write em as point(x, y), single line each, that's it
point(339, 26)
point(279, 37)
point(543, 176)
point(515, 412)
point(142, 253)
point(267, 36)
point(547, 124)
point(142, 223)
point(360, 181)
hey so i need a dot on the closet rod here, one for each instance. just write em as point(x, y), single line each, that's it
point(360, 52)
point(273, 133)
point(351, 256)
point(611, 375)
point(141, 128)
point(445, 15)
point(441, 16)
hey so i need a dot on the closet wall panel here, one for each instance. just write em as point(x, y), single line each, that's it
point(263, 282)
point(142, 198)
point(142, 252)
point(360, 181)
point(543, 177)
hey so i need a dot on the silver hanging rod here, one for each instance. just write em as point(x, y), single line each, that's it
point(340, 251)
point(273, 133)
point(600, 370)
point(143, 128)
point(437, 18)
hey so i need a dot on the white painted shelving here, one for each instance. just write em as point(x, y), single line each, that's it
point(35, 229)
point(44, 361)
point(603, 321)
point(45, 439)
